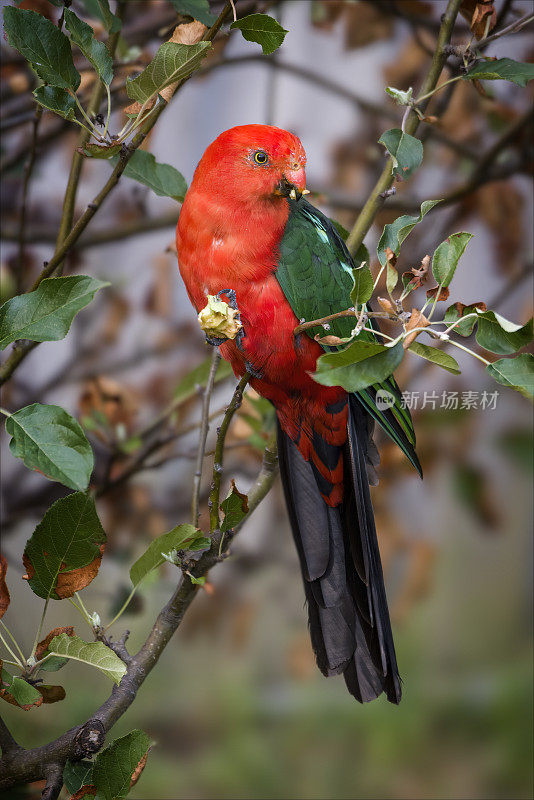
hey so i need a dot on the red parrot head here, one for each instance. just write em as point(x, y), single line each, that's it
point(253, 162)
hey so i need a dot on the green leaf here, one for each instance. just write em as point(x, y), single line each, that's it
point(51, 663)
point(447, 255)
point(405, 150)
point(517, 373)
point(49, 440)
point(363, 286)
point(262, 29)
point(114, 767)
point(163, 179)
point(437, 356)
point(457, 311)
point(173, 62)
point(198, 9)
point(46, 314)
point(396, 232)
point(77, 774)
point(400, 97)
point(504, 69)
point(360, 365)
point(43, 45)
point(499, 335)
point(95, 654)
point(95, 52)
point(57, 100)
point(198, 377)
point(234, 507)
point(176, 539)
point(198, 581)
point(24, 693)
point(99, 9)
point(63, 554)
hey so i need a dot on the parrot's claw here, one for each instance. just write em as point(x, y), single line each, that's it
point(232, 299)
point(214, 341)
point(256, 373)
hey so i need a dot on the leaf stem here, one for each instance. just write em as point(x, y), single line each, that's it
point(471, 352)
point(108, 117)
point(437, 89)
point(123, 608)
point(10, 651)
point(82, 612)
point(4, 626)
point(40, 628)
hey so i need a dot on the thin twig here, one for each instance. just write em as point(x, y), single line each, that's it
point(204, 426)
point(25, 189)
point(234, 405)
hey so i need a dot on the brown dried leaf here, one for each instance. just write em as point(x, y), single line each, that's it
point(70, 582)
point(391, 258)
point(461, 306)
point(42, 647)
point(417, 320)
point(104, 396)
point(386, 305)
point(51, 694)
point(84, 791)
point(330, 339)
point(4, 592)
point(443, 295)
point(139, 769)
point(480, 14)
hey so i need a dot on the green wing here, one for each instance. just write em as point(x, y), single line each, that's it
point(315, 273)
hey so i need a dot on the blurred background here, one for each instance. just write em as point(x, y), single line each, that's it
point(236, 706)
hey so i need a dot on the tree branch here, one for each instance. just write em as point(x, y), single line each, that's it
point(385, 181)
point(19, 354)
point(30, 765)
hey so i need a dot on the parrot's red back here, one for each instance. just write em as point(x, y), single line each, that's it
point(228, 238)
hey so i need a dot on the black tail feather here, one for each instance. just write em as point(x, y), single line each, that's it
point(340, 561)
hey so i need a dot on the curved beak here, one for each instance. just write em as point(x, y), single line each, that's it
point(292, 185)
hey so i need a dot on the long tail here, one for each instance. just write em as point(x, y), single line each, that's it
point(340, 561)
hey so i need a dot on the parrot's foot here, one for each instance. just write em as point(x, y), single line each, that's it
point(232, 299)
point(256, 373)
point(214, 341)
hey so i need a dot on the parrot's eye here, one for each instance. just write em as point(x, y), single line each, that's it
point(260, 157)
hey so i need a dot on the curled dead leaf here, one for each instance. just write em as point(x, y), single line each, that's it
point(480, 14)
point(391, 258)
point(460, 307)
point(417, 320)
point(443, 294)
point(330, 340)
point(4, 592)
point(139, 769)
point(386, 305)
point(218, 319)
point(51, 694)
point(42, 647)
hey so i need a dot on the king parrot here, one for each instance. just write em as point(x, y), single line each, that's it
point(244, 226)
